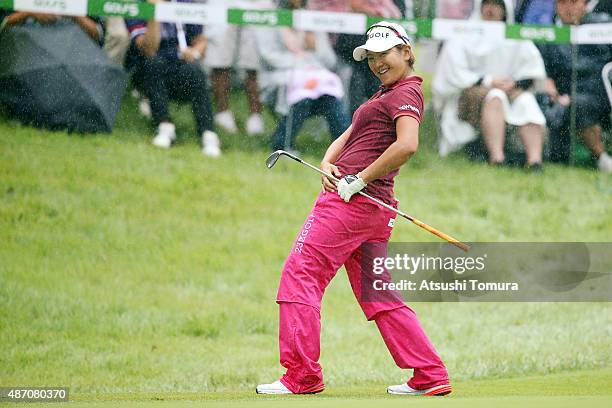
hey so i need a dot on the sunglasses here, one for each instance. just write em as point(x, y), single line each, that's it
point(397, 33)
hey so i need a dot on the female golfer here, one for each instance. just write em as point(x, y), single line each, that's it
point(383, 135)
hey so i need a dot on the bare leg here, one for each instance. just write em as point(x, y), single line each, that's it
point(493, 128)
point(592, 138)
point(253, 92)
point(221, 79)
point(532, 136)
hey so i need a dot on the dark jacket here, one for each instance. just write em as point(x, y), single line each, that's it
point(589, 62)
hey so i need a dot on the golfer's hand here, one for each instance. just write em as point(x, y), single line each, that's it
point(329, 185)
point(349, 185)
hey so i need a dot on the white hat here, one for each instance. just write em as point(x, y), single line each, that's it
point(381, 37)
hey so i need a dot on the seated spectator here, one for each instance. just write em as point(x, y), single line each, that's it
point(591, 104)
point(483, 84)
point(92, 26)
point(297, 79)
point(535, 12)
point(163, 59)
point(233, 46)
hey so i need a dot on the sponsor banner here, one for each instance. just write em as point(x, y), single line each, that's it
point(348, 23)
point(592, 34)
point(260, 17)
point(121, 8)
point(190, 13)
point(444, 29)
point(489, 272)
point(64, 7)
point(541, 34)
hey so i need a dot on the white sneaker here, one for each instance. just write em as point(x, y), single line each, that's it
point(604, 163)
point(255, 124)
point(276, 387)
point(210, 144)
point(226, 120)
point(404, 389)
point(166, 134)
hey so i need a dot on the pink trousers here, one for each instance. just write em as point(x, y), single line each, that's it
point(331, 237)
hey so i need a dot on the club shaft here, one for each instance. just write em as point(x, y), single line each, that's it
point(415, 221)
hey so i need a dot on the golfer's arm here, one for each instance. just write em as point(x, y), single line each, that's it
point(407, 143)
point(148, 43)
point(334, 149)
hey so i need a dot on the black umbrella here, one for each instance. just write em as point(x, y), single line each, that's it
point(58, 77)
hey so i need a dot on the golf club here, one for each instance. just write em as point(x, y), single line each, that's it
point(273, 158)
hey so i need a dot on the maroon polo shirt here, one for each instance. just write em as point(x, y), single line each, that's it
point(374, 131)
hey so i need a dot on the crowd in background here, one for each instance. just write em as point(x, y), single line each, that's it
point(483, 89)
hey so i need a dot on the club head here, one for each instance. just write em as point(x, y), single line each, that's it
point(273, 158)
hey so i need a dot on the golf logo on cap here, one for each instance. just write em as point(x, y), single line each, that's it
point(380, 37)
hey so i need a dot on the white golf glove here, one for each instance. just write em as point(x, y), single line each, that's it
point(349, 185)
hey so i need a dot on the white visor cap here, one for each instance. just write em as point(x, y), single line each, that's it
point(382, 36)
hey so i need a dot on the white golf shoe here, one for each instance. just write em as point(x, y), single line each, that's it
point(604, 163)
point(211, 146)
point(404, 389)
point(255, 124)
point(226, 121)
point(166, 134)
point(276, 387)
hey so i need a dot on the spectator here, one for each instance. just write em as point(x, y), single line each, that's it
point(363, 83)
point(297, 79)
point(591, 104)
point(92, 26)
point(535, 11)
point(163, 61)
point(234, 46)
point(483, 83)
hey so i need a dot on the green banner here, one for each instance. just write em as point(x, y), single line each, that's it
point(6, 4)
point(260, 17)
point(538, 33)
point(419, 28)
point(121, 8)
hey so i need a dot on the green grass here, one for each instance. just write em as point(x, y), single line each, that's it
point(129, 273)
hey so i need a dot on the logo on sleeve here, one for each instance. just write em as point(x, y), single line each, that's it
point(410, 107)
